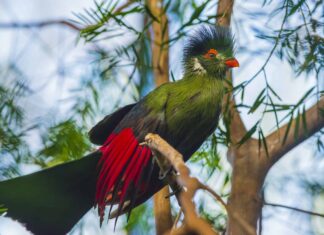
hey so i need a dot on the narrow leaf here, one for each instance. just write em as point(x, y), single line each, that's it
point(258, 101)
point(288, 128)
point(248, 134)
point(264, 142)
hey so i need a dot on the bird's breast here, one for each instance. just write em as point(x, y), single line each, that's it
point(197, 112)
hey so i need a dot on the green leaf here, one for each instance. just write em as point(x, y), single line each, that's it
point(195, 15)
point(139, 220)
point(149, 12)
point(288, 128)
point(296, 7)
point(2, 209)
point(296, 131)
point(198, 11)
point(304, 119)
point(166, 7)
point(274, 93)
point(258, 101)
point(320, 145)
point(248, 134)
point(305, 96)
point(264, 142)
point(172, 77)
point(275, 112)
point(63, 142)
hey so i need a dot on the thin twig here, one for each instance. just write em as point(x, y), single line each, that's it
point(39, 24)
point(215, 195)
point(274, 47)
point(177, 219)
point(295, 209)
point(125, 5)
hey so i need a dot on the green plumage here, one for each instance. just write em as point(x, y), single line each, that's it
point(190, 109)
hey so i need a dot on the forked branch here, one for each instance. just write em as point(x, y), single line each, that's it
point(314, 122)
point(169, 158)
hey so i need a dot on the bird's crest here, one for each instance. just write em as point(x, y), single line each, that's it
point(209, 39)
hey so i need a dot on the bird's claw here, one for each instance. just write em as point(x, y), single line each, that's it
point(163, 174)
point(174, 192)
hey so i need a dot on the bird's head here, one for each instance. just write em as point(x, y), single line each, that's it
point(210, 51)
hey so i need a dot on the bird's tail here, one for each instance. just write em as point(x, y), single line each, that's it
point(53, 200)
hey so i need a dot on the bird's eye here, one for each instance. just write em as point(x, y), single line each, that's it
point(211, 54)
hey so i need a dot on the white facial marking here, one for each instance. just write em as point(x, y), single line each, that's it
point(198, 67)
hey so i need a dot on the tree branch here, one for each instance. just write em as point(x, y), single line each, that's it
point(167, 157)
point(237, 128)
point(125, 5)
point(40, 24)
point(192, 222)
point(314, 123)
point(294, 208)
point(160, 48)
point(160, 61)
point(224, 12)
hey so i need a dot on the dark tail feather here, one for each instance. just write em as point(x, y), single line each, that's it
point(52, 201)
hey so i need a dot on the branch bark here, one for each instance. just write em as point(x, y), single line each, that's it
point(237, 128)
point(160, 48)
point(224, 12)
point(167, 157)
point(314, 123)
point(160, 61)
point(192, 222)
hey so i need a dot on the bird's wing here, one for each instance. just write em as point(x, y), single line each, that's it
point(126, 166)
point(100, 132)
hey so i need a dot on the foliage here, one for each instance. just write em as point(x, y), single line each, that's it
point(208, 155)
point(63, 142)
point(12, 129)
point(2, 210)
point(218, 221)
point(139, 221)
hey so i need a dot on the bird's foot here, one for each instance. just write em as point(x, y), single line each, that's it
point(163, 174)
point(174, 192)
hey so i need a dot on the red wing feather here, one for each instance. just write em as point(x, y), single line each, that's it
point(121, 166)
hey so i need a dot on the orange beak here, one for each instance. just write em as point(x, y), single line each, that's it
point(231, 63)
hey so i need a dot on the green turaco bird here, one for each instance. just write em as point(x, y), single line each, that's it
point(121, 171)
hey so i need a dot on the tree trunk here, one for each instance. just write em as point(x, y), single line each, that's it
point(247, 179)
point(160, 61)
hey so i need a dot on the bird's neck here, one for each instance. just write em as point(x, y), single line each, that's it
point(193, 68)
point(210, 87)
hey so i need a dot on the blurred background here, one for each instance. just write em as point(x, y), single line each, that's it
point(63, 67)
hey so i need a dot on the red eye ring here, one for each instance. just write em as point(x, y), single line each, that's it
point(211, 54)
